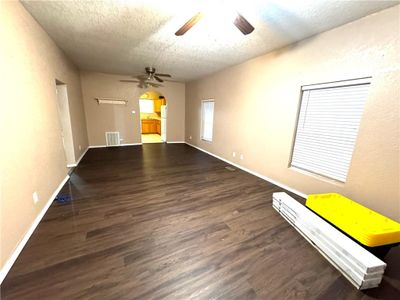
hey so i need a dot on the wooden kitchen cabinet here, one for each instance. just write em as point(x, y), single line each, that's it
point(146, 127)
point(149, 126)
point(157, 106)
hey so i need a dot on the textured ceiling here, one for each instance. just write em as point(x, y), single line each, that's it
point(123, 37)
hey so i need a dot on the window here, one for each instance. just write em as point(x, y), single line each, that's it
point(207, 119)
point(146, 106)
point(327, 127)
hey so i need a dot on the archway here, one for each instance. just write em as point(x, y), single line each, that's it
point(153, 117)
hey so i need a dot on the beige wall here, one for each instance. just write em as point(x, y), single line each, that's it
point(32, 155)
point(256, 107)
point(106, 117)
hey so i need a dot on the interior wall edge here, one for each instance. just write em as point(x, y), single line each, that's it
point(83, 154)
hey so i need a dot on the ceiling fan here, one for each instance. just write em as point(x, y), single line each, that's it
point(239, 21)
point(150, 78)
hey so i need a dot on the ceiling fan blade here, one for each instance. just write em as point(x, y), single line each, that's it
point(158, 78)
point(124, 80)
point(243, 25)
point(154, 84)
point(189, 24)
point(163, 75)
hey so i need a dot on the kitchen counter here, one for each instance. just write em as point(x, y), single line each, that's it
point(152, 118)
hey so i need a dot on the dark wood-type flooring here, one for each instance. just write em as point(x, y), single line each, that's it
point(170, 222)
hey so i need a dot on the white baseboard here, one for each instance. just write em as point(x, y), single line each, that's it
point(175, 142)
point(9, 263)
point(252, 172)
point(121, 145)
point(132, 144)
point(79, 159)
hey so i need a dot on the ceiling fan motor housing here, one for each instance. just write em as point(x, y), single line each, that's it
point(150, 79)
point(150, 70)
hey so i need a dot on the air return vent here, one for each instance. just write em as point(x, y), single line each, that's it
point(112, 139)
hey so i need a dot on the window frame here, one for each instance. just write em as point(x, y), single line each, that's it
point(318, 86)
point(202, 120)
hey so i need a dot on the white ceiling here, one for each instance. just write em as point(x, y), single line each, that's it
point(123, 37)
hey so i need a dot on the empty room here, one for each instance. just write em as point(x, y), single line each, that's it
point(200, 149)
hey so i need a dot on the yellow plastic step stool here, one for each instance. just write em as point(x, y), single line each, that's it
point(361, 223)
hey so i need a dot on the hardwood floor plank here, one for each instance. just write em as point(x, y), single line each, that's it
point(165, 221)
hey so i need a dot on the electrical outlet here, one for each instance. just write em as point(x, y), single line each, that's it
point(190, 137)
point(241, 156)
point(233, 154)
point(35, 197)
point(80, 147)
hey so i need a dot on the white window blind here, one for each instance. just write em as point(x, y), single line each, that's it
point(327, 127)
point(207, 119)
point(146, 106)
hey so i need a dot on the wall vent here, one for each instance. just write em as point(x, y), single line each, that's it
point(112, 138)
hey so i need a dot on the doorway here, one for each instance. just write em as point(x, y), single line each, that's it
point(153, 117)
point(65, 122)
